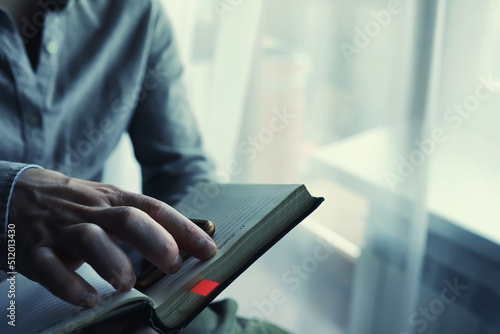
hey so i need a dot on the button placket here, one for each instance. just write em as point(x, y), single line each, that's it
point(28, 94)
point(52, 37)
point(51, 47)
point(33, 119)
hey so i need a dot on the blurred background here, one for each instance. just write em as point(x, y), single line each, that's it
point(388, 109)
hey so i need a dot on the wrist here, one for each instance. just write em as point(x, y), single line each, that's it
point(9, 178)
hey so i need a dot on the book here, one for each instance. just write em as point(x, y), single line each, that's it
point(249, 220)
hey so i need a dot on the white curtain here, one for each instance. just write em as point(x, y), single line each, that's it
point(389, 109)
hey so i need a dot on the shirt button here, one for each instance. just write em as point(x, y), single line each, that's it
point(51, 47)
point(33, 119)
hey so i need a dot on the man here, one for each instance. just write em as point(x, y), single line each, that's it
point(75, 75)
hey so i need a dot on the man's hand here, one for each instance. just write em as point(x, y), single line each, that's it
point(62, 222)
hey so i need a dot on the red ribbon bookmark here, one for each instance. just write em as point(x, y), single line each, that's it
point(204, 287)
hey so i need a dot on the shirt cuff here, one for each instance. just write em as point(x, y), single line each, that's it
point(9, 174)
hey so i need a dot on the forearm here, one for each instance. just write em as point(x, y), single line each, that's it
point(166, 138)
point(171, 181)
point(9, 173)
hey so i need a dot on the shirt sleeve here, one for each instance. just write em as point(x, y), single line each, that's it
point(164, 132)
point(9, 173)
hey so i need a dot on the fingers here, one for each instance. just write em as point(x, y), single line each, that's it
point(96, 248)
point(139, 230)
point(87, 216)
point(188, 236)
point(50, 272)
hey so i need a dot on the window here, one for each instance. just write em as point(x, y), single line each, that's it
point(389, 109)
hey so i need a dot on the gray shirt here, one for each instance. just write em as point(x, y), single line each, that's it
point(105, 67)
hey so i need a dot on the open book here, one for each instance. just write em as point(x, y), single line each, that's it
point(249, 219)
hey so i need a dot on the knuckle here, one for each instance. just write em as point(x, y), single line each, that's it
point(150, 205)
point(41, 257)
point(126, 213)
point(70, 182)
point(108, 189)
point(166, 253)
point(89, 233)
point(109, 193)
point(82, 212)
point(155, 208)
point(167, 247)
point(188, 230)
point(130, 217)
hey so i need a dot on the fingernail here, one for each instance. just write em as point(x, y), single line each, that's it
point(89, 299)
point(123, 282)
point(176, 265)
point(131, 283)
point(206, 248)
